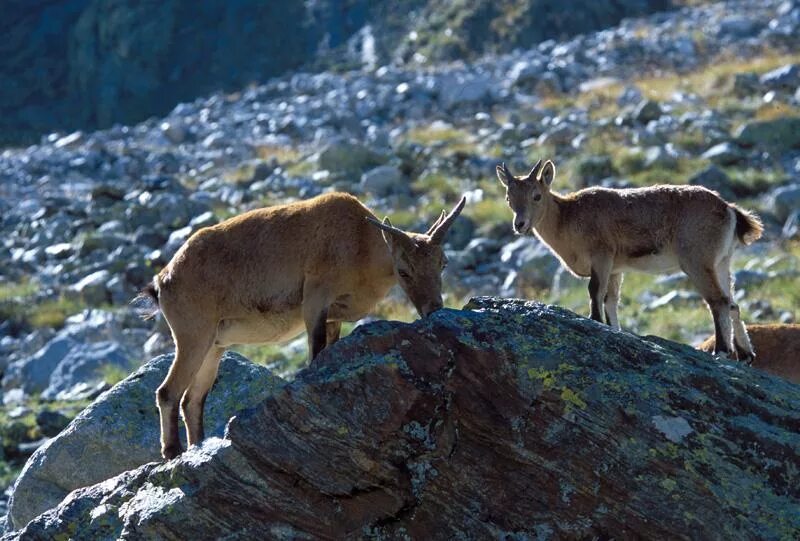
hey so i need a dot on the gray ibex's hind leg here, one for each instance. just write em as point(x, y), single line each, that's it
point(744, 349)
point(705, 279)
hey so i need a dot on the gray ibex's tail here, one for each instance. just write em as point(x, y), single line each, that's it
point(147, 297)
point(748, 226)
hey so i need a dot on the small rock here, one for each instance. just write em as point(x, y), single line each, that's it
point(344, 157)
point(780, 134)
point(713, 178)
point(724, 154)
point(646, 111)
point(51, 422)
point(745, 84)
point(783, 79)
point(92, 288)
point(384, 181)
point(785, 200)
point(72, 140)
point(174, 131)
point(532, 262)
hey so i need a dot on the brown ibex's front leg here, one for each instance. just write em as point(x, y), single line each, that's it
point(315, 316)
point(332, 331)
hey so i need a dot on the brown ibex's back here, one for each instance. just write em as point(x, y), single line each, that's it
point(777, 348)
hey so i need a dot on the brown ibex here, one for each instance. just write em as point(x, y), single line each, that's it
point(778, 348)
point(599, 233)
point(268, 274)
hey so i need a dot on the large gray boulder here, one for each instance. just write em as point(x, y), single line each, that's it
point(120, 432)
point(506, 420)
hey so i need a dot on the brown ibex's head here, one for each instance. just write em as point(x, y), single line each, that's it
point(419, 259)
point(527, 195)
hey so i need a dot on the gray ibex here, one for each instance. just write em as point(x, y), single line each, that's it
point(268, 274)
point(600, 232)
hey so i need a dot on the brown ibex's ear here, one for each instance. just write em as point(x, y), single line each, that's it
point(438, 221)
point(393, 236)
point(548, 172)
point(504, 175)
point(535, 171)
point(438, 235)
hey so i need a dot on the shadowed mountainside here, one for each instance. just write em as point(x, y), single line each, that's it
point(87, 64)
point(504, 419)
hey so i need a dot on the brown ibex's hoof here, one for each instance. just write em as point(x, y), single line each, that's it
point(171, 451)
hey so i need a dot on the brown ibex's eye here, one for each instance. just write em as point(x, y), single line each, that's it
point(537, 197)
point(404, 274)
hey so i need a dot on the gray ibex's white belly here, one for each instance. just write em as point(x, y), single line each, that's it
point(259, 329)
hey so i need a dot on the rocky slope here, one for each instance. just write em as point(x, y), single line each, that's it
point(507, 419)
point(90, 63)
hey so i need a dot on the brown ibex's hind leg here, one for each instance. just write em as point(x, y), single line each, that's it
point(194, 398)
point(705, 279)
point(190, 350)
point(741, 341)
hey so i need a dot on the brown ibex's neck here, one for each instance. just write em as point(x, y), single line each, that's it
point(548, 227)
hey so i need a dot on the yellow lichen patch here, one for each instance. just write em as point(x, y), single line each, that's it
point(571, 397)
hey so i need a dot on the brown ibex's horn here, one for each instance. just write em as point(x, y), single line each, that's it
point(436, 224)
point(441, 230)
point(387, 226)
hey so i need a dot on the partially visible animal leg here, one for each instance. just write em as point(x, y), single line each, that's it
point(194, 398)
point(612, 299)
point(741, 340)
point(332, 331)
point(705, 279)
point(190, 351)
point(598, 286)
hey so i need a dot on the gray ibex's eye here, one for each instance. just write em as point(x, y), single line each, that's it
point(537, 197)
point(404, 274)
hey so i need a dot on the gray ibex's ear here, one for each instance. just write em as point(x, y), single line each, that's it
point(548, 172)
point(438, 235)
point(504, 175)
point(535, 170)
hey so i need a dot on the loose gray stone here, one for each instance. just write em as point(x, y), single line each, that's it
point(92, 288)
point(383, 181)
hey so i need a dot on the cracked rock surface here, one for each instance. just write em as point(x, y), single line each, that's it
point(505, 420)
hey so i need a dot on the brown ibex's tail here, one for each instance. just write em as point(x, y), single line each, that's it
point(748, 225)
point(147, 297)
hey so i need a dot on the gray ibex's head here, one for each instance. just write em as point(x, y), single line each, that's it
point(527, 195)
point(419, 259)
